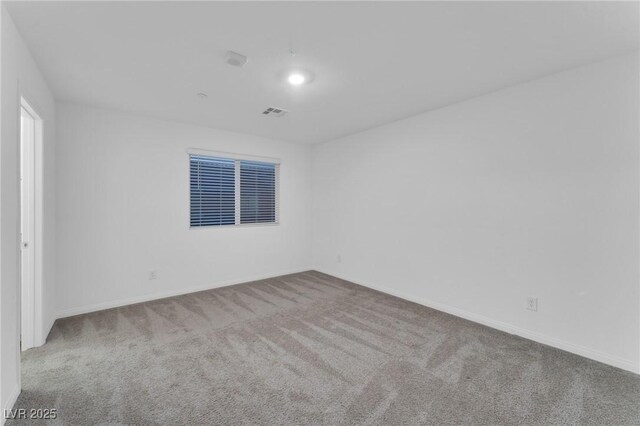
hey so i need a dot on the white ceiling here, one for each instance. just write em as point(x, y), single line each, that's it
point(374, 62)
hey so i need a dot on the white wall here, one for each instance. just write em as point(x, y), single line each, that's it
point(123, 211)
point(529, 191)
point(21, 77)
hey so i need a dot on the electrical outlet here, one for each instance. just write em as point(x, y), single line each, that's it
point(153, 275)
point(532, 303)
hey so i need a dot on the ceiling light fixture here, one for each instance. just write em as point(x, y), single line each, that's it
point(296, 79)
point(296, 76)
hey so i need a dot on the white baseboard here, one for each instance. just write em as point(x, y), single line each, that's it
point(47, 330)
point(13, 397)
point(41, 338)
point(502, 326)
point(161, 295)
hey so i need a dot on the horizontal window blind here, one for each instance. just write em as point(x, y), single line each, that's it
point(257, 192)
point(226, 191)
point(212, 191)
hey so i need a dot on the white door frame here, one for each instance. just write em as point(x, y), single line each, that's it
point(31, 201)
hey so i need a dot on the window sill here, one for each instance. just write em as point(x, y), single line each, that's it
point(242, 225)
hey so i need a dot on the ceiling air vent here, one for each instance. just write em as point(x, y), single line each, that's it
point(275, 112)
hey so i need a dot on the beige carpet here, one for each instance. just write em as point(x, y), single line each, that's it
point(311, 349)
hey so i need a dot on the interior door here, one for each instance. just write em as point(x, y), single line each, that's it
point(27, 227)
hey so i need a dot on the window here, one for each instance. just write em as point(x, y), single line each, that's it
point(213, 200)
point(232, 191)
point(257, 192)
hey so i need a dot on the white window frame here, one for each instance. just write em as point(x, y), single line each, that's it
point(238, 158)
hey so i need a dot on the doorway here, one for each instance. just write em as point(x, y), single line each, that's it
point(30, 270)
